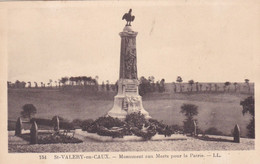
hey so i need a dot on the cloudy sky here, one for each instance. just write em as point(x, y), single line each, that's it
point(206, 42)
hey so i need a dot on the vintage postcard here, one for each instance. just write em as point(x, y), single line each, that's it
point(124, 81)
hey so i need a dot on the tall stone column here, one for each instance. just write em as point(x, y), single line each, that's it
point(127, 99)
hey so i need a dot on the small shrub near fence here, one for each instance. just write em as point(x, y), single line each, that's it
point(85, 124)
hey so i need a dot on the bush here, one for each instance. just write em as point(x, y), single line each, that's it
point(145, 135)
point(188, 126)
point(85, 124)
point(109, 122)
point(106, 122)
point(251, 128)
point(161, 128)
point(134, 124)
point(249, 107)
point(213, 131)
point(77, 123)
point(189, 110)
point(29, 110)
point(136, 120)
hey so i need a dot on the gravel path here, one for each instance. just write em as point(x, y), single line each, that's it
point(191, 144)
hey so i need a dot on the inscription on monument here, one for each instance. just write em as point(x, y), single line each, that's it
point(130, 88)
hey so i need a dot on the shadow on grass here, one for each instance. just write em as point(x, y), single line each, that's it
point(207, 138)
point(51, 138)
point(27, 136)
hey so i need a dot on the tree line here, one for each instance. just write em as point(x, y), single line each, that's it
point(146, 85)
point(149, 85)
point(64, 81)
point(198, 87)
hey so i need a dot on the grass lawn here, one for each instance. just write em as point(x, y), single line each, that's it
point(220, 110)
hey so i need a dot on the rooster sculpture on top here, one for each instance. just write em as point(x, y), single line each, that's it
point(128, 17)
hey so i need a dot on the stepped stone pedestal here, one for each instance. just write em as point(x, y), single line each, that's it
point(127, 99)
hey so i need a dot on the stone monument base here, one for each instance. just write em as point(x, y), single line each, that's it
point(120, 111)
point(127, 100)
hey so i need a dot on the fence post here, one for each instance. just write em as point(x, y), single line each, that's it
point(236, 134)
point(195, 128)
point(57, 124)
point(34, 133)
point(18, 127)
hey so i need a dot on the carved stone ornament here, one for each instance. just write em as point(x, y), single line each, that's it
point(130, 59)
point(132, 104)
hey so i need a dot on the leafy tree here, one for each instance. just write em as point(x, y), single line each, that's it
point(78, 80)
point(144, 86)
point(35, 85)
point(191, 82)
point(107, 86)
point(84, 79)
point(200, 87)
point(23, 84)
point(152, 84)
point(179, 80)
point(72, 79)
point(189, 110)
point(162, 86)
point(96, 78)
point(226, 84)
point(17, 84)
point(59, 81)
point(235, 84)
point(9, 84)
point(216, 87)
point(157, 86)
point(197, 86)
point(103, 86)
point(247, 83)
point(249, 107)
point(210, 86)
point(29, 84)
point(151, 79)
point(174, 87)
point(50, 83)
point(64, 80)
point(28, 111)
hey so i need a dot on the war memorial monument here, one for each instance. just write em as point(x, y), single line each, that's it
point(127, 120)
point(128, 99)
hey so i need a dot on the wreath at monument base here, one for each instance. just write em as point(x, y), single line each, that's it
point(134, 124)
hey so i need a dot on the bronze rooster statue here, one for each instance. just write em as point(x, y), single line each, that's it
point(128, 17)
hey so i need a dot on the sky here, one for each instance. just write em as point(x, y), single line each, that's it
point(206, 42)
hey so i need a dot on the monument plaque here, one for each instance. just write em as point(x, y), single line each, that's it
point(127, 99)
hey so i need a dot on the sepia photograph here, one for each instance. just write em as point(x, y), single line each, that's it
point(84, 77)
